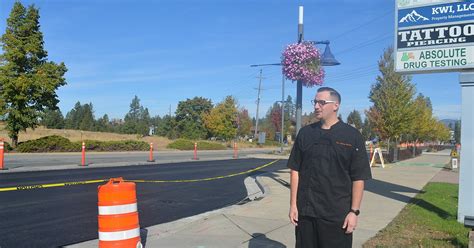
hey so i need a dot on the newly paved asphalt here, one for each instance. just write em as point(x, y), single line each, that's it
point(50, 217)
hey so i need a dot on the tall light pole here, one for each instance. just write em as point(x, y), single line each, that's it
point(299, 83)
point(327, 59)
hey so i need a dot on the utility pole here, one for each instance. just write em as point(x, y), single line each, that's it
point(282, 111)
point(170, 110)
point(258, 103)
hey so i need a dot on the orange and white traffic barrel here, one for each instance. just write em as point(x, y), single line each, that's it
point(2, 150)
point(118, 216)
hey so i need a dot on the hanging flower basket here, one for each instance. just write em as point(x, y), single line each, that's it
point(302, 61)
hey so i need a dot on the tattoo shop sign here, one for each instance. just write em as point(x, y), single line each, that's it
point(434, 36)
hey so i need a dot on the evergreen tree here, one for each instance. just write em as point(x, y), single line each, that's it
point(144, 122)
point(103, 124)
point(28, 82)
point(87, 119)
point(290, 108)
point(457, 132)
point(354, 119)
point(132, 118)
point(167, 127)
point(52, 119)
point(74, 117)
point(367, 131)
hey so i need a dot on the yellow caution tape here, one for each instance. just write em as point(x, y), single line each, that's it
point(51, 185)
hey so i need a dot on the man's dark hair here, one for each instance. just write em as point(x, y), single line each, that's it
point(332, 92)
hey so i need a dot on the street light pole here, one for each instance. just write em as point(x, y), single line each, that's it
point(327, 59)
point(299, 83)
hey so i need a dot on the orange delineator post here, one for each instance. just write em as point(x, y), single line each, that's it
point(235, 150)
point(118, 216)
point(83, 160)
point(151, 159)
point(195, 151)
point(2, 150)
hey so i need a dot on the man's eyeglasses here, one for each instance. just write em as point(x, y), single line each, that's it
point(321, 102)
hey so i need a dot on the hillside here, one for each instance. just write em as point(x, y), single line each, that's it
point(160, 143)
point(447, 122)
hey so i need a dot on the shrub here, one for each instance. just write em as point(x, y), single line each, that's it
point(106, 146)
point(56, 143)
point(7, 147)
point(182, 144)
point(202, 145)
point(52, 143)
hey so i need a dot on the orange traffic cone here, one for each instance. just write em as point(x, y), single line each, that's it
point(118, 216)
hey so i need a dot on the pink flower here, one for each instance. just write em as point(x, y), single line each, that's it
point(302, 61)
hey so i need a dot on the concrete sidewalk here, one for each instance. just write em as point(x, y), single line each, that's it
point(264, 222)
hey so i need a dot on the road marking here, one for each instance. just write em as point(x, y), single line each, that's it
point(51, 185)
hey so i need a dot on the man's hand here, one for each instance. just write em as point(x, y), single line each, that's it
point(293, 215)
point(350, 222)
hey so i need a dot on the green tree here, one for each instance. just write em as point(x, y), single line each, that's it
point(132, 118)
point(439, 132)
point(354, 119)
point(137, 120)
point(103, 124)
point(28, 82)
point(87, 121)
point(244, 123)
point(423, 120)
point(167, 127)
point(81, 117)
point(275, 117)
point(367, 131)
point(290, 108)
point(457, 132)
point(52, 119)
point(144, 122)
point(392, 113)
point(189, 120)
point(74, 117)
point(221, 121)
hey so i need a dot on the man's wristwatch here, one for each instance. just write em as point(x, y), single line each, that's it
point(355, 211)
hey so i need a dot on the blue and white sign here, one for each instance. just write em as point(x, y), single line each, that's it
point(435, 14)
point(425, 28)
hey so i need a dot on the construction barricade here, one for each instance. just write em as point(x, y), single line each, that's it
point(118, 217)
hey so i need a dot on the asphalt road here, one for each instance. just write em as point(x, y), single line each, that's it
point(13, 161)
point(51, 217)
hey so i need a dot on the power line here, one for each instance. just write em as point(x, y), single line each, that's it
point(362, 25)
point(364, 44)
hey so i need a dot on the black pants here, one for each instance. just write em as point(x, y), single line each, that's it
point(318, 233)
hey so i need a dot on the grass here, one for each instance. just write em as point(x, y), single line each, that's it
point(429, 220)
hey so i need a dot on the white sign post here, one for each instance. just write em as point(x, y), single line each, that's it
point(438, 36)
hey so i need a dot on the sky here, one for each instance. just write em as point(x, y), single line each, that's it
point(170, 50)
